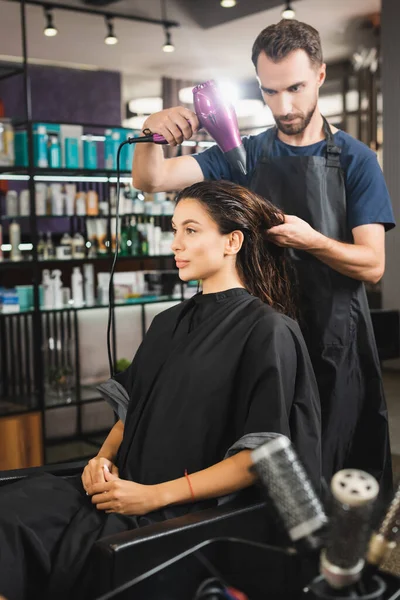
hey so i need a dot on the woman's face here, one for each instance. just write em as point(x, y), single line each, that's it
point(198, 246)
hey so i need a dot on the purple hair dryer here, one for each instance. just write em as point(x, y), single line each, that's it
point(219, 119)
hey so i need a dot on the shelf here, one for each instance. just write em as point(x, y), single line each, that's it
point(8, 263)
point(121, 216)
point(20, 122)
point(10, 408)
point(63, 172)
point(88, 394)
point(131, 302)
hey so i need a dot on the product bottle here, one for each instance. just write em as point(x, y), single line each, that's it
point(80, 204)
point(157, 236)
point(78, 246)
point(47, 289)
point(64, 250)
point(12, 203)
point(124, 247)
point(50, 250)
point(88, 275)
point(54, 154)
point(57, 288)
point(15, 240)
point(134, 237)
point(150, 236)
point(41, 247)
point(77, 287)
point(56, 200)
point(24, 203)
point(70, 193)
point(143, 241)
point(92, 203)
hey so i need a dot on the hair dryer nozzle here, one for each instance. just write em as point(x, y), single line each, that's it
point(219, 119)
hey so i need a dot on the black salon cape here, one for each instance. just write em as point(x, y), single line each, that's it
point(214, 374)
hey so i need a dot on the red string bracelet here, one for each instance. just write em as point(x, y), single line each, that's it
point(190, 486)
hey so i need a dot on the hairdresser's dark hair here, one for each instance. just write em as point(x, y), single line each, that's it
point(264, 268)
point(279, 40)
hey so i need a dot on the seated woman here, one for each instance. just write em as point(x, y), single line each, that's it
point(215, 376)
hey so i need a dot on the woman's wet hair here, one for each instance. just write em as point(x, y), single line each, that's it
point(264, 268)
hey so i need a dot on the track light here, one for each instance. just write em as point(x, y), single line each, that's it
point(49, 30)
point(168, 46)
point(110, 39)
point(228, 3)
point(288, 12)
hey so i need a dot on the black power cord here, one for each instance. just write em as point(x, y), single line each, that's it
point(111, 313)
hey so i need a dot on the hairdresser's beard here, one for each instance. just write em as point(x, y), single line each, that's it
point(298, 126)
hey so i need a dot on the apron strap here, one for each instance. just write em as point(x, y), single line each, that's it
point(268, 142)
point(332, 151)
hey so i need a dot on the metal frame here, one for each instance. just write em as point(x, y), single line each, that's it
point(36, 319)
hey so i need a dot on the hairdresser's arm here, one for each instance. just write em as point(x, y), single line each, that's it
point(151, 172)
point(94, 470)
point(127, 497)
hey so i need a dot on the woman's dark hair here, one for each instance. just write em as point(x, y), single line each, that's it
point(279, 40)
point(264, 268)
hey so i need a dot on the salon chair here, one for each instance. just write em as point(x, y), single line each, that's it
point(124, 556)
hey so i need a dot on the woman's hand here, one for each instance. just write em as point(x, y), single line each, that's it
point(94, 472)
point(124, 497)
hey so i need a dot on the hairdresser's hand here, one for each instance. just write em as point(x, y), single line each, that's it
point(175, 124)
point(94, 472)
point(124, 497)
point(295, 233)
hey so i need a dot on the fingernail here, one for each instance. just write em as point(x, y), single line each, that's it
point(106, 468)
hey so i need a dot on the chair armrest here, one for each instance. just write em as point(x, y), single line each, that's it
point(121, 557)
point(62, 470)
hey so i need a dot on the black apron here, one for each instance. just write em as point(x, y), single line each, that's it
point(334, 313)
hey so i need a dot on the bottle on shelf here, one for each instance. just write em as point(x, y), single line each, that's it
point(54, 153)
point(157, 236)
point(64, 250)
point(12, 209)
point(47, 289)
point(49, 250)
point(70, 193)
point(143, 241)
point(78, 246)
point(124, 239)
point(150, 236)
point(15, 241)
point(77, 287)
point(41, 247)
point(56, 200)
point(134, 237)
point(92, 203)
point(88, 275)
point(57, 288)
point(24, 203)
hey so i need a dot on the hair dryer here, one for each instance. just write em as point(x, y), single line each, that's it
point(219, 120)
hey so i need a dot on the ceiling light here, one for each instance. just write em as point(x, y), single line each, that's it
point(49, 30)
point(288, 12)
point(110, 39)
point(228, 3)
point(168, 46)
